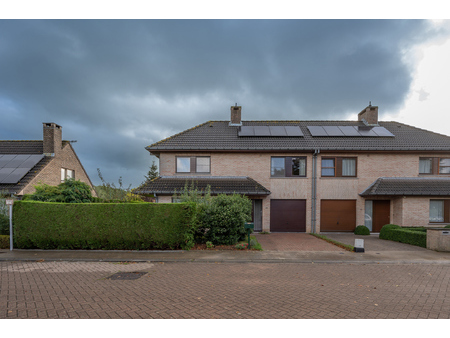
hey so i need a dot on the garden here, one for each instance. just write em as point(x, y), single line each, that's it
point(69, 217)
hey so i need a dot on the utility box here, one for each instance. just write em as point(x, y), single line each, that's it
point(438, 239)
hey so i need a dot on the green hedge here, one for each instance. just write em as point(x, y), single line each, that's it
point(362, 230)
point(398, 234)
point(4, 242)
point(109, 226)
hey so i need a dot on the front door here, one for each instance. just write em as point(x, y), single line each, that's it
point(257, 215)
point(381, 214)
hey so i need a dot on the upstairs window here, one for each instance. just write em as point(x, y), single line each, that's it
point(200, 164)
point(338, 166)
point(288, 167)
point(67, 174)
point(434, 166)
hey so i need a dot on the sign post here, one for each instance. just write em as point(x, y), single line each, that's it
point(10, 203)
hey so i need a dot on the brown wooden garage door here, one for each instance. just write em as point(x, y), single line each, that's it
point(288, 215)
point(337, 215)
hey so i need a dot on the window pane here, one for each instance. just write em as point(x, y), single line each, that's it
point(183, 164)
point(298, 167)
point(327, 171)
point(63, 174)
point(277, 167)
point(328, 162)
point(425, 165)
point(349, 167)
point(444, 162)
point(203, 164)
point(69, 173)
point(368, 214)
point(436, 211)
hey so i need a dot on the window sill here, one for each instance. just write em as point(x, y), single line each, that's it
point(289, 178)
point(339, 177)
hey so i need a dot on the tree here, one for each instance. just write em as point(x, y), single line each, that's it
point(152, 173)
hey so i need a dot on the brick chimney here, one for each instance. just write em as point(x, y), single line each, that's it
point(369, 115)
point(52, 139)
point(236, 116)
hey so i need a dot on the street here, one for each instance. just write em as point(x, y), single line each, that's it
point(223, 290)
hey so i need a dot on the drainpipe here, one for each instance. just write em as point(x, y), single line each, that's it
point(314, 191)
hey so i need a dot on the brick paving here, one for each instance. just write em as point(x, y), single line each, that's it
point(286, 241)
point(229, 290)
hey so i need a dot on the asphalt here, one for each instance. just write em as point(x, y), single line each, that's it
point(376, 251)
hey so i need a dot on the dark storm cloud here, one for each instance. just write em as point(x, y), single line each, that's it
point(117, 86)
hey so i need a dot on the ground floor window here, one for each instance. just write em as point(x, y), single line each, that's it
point(436, 211)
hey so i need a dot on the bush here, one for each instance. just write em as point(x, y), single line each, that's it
point(384, 232)
point(222, 220)
point(4, 225)
point(110, 226)
point(362, 230)
point(4, 242)
point(447, 226)
point(70, 191)
point(398, 234)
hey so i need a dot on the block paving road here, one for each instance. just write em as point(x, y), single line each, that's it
point(224, 290)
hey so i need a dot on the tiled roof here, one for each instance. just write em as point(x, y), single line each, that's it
point(409, 186)
point(21, 147)
point(218, 135)
point(219, 185)
point(17, 187)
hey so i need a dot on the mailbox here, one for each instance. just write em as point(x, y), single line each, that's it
point(249, 227)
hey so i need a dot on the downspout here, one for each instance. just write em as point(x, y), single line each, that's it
point(314, 191)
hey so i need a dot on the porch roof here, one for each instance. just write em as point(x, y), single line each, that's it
point(409, 186)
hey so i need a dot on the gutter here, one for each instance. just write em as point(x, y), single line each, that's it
point(314, 191)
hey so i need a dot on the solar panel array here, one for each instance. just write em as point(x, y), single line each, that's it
point(280, 131)
point(349, 131)
point(14, 167)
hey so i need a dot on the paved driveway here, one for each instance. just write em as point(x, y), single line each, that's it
point(291, 241)
point(305, 242)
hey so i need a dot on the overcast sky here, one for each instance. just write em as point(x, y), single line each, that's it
point(118, 86)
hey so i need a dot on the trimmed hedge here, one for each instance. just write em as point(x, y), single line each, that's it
point(396, 233)
point(4, 225)
point(4, 242)
point(109, 226)
point(362, 230)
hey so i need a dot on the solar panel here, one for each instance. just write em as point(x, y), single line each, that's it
point(364, 131)
point(4, 173)
point(381, 131)
point(246, 131)
point(277, 131)
point(16, 175)
point(293, 131)
point(261, 130)
point(317, 131)
point(31, 161)
point(333, 131)
point(17, 161)
point(349, 131)
point(5, 159)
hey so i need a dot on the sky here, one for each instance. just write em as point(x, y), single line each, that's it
point(117, 86)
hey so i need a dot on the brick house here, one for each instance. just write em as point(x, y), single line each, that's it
point(314, 176)
point(24, 164)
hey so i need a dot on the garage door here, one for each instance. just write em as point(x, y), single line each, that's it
point(288, 215)
point(337, 215)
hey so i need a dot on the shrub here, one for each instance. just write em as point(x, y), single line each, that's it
point(398, 234)
point(4, 242)
point(223, 219)
point(70, 191)
point(447, 226)
point(4, 225)
point(386, 229)
point(121, 226)
point(362, 230)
